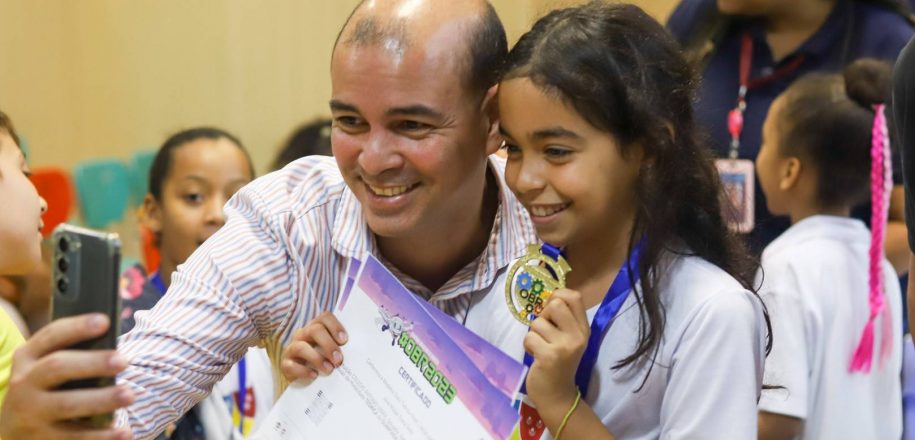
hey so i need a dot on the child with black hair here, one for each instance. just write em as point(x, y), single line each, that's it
point(193, 175)
point(659, 333)
point(834, 298)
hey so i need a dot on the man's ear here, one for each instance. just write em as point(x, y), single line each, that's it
point(490, 109)
point(790, 173)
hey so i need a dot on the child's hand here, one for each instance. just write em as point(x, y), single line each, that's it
point(315, 349)
point(557, 340)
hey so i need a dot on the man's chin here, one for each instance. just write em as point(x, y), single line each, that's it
point(390, 226)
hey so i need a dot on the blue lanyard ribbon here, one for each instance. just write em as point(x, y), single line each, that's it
point(242, 390)
point(156, 280)
point(609, 307)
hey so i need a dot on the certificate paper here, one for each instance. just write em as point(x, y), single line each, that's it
point(502, 370)
point(404, 376)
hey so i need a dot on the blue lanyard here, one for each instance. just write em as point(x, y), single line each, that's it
point(241, 395)
point(609, 308)
point(156, 280)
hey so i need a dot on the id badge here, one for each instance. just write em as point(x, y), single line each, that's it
point(737, 179)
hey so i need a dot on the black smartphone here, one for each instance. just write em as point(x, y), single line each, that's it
point(86, 268)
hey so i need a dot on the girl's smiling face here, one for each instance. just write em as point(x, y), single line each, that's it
point(571, 176)
point(20, 225)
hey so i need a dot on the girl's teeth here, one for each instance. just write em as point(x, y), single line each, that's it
point(542, 211)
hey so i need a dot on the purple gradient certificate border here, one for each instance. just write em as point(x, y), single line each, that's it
point(503, 371)
point(488, 404)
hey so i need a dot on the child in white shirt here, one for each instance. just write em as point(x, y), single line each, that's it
point(834, 299)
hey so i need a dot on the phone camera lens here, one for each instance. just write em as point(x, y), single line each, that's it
point(63, 244)
point(63, 264)
point(62, 285)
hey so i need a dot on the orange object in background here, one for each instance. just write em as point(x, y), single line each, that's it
point(55, 186)
point(149, 249)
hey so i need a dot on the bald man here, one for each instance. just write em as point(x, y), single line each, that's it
point(414, 126)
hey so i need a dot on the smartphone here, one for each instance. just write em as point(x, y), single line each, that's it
point(86, 278)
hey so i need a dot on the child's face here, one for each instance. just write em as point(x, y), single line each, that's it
point(20, 225)
point(204, 174)
point(770, 162)
point(569, 175)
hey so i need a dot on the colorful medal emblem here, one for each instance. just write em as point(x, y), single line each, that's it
point(531, 280)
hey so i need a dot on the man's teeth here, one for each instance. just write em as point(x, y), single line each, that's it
point(390, 191)
point(543, 211)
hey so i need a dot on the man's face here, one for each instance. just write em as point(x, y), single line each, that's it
point(410, 140)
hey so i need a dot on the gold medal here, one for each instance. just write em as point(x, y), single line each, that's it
point(531, 280)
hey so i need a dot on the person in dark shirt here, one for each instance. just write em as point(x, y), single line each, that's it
point(787, 39)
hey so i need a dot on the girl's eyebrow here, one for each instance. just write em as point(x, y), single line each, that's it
point(554, 132)
point(545, 133)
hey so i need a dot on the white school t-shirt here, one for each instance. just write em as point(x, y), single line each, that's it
point(815, 284)
point(708, 372)
point(219, 412)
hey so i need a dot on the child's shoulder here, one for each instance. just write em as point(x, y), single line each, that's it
point(692, 285)
point(820, 240)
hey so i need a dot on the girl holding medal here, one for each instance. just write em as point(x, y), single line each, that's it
point(659, 333)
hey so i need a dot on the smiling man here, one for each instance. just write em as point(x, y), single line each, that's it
point(414, 126)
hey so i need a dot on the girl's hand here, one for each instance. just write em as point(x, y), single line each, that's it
point(557, 340)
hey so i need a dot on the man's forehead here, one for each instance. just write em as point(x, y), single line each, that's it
point(390, 35)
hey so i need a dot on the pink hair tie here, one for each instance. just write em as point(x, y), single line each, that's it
point(881, 187)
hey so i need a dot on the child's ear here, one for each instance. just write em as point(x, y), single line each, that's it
point(790, 173)
point(152, 214)
point(490, 109)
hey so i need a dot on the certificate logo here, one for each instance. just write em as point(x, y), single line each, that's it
point(393, 323)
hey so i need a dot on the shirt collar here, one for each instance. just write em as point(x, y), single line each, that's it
point(511, 232)
point(821, 43)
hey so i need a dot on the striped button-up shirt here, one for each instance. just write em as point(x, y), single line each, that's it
point(279, 261)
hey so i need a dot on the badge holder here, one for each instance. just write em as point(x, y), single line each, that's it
point(737, 175)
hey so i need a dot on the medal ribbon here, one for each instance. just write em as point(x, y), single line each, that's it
point(606, 312)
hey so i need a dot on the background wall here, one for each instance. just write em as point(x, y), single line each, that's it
point(93, 78)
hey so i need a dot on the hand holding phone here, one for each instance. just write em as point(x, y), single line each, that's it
point(86, 268)
point(35, 407)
